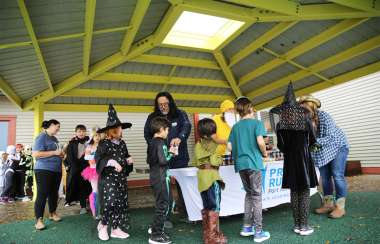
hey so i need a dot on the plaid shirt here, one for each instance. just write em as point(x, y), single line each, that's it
point(329, 139)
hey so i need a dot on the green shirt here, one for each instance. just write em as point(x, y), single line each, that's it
point(205, 153)
point(245, 149)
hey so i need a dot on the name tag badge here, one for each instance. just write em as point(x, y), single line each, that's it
point(174, 124)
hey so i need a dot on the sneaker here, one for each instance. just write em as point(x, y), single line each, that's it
point(161, 239)
point(118, 233)
point(78, 202)
point(166, 235)
point(296, 228)
point(150, 231)
point(247, 231)
point(3, 200)
point(11, 200)
point(67, 204)
point(102, 232)
point(186, 220)
point(26, 199)
point(260, 237)
point(83, 211)
point(306, 230)
point(19, 197)
point(168, 225)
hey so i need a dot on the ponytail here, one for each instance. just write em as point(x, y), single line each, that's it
point(46, 124)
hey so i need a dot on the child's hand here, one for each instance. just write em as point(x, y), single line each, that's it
point(67, 167)
point(118, 167)
point(171, 150)
point(130, 160)
point(88, 152)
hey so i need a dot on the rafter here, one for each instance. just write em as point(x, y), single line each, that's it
point(314, 12)
point(366, 70)
point(121, 108)
point(279, 6)
point(29, 25)
point(156, 79)
point(100, 67)
point(142, 95)
point(188, 62)
point(88, 27)
point(272, 33)
point(363, 5)
point(304, 47)
point(9, 93)
point(138, 15)
point(228, 73)
point(58, 38)
point(313, 69)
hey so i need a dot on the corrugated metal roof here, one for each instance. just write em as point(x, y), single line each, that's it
point(155, 13)
point(21, 69)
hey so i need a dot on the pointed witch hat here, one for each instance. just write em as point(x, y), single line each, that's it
point(289, 102)
point(114, 121)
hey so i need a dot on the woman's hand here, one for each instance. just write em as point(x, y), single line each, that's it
point(118, 167)
point(57, 153)
point(130, 160)
point(67, 167)
point(63, 153)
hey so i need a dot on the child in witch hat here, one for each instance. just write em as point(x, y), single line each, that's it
point(113, 165)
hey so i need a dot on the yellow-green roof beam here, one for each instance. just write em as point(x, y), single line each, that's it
point(278, 6)
point(29, 25)
point(143, 95)
point(304, 47)
point(121, 108)
point(294, 63)
point(366, 70)
point(137, 17)
point(272, 33)
point(326, 63)
point(95, 70)
point(58, 38)
point(88, 27)
point(228, 73)
point(188, 62)
point(314, 12)
point(170, 76)
point(156, 79)
point(363, 5)
point(9, 93)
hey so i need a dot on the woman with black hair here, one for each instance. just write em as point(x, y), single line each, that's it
point(48, 171)
point(179, 131)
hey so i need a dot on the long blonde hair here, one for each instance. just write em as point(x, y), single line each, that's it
point(312, 106)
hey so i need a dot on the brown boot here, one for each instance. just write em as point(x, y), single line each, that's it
point(213, 236)
point(339, 211)
point(204, 224)
point(54, 217)
point(328, 205)
point(39, 224)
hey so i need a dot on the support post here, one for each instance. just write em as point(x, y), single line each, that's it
point(38, 119)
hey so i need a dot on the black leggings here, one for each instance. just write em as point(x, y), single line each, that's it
point(300, 201)
point(47, 187)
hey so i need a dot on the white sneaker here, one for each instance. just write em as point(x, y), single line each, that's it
point(78, 202)
point(67, 204)
point(26, 199)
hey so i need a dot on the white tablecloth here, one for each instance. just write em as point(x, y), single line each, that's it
point(232, 200)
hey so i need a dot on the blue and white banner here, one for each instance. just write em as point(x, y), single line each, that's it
point(232, 201)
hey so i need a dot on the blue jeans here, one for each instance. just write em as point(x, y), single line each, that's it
point(336, 169)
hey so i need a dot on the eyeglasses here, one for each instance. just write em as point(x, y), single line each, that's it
point(161, 105)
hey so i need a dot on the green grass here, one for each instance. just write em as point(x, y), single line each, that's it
point(363, 213)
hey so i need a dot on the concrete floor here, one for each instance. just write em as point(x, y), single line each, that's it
point(142, 197)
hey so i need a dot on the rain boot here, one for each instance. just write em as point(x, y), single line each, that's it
point(39, 224)
point(339, 211)
point(327, 206)
point(213, 236)
point(204, 224)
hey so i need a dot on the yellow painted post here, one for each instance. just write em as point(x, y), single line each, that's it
point(38, 119)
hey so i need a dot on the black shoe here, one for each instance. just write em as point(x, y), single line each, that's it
point(161, 239)
point(186, 220)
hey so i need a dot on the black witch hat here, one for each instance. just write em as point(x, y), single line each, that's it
point(288, 115)
point(113, 121)
point(289, 102)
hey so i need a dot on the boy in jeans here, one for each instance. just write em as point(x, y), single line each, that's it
point(246, 141)
point(158, 160)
